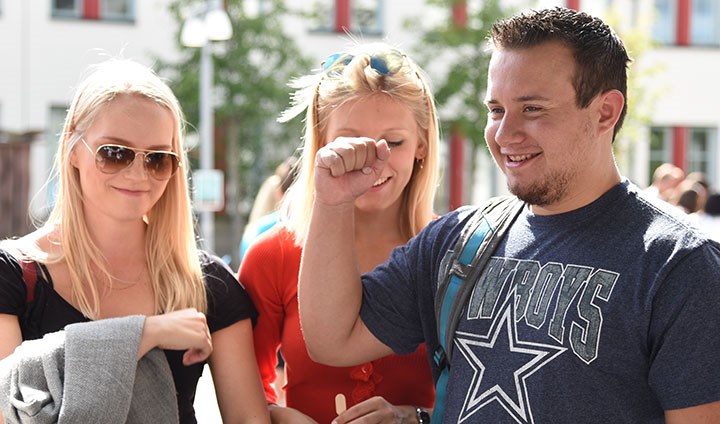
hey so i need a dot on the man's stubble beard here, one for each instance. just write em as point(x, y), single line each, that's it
point(551, 189)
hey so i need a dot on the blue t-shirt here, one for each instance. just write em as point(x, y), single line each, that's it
point(605, 314)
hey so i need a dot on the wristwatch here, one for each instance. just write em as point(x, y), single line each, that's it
point(422, 416)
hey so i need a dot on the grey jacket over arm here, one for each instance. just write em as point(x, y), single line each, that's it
point(88, 373)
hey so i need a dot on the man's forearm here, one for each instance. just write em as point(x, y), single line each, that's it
point(329, 291)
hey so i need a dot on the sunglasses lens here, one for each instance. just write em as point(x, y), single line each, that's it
point(330, 61)
point(387, 63)
point(384, 63)
point(161, 165)
point(336, 62)
point(113, 159)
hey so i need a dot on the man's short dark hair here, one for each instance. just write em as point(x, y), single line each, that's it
point(600, 56)
point(712, 205)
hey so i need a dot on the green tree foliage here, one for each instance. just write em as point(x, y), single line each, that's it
point(460, 93)
point(456, 58)
point(251, 72)
point(642, 93)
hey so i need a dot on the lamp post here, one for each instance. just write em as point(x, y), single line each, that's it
point(206, 24)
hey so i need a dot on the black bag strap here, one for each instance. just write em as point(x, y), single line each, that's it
point(29, 271)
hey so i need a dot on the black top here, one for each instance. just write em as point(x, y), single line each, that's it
point(228, 303)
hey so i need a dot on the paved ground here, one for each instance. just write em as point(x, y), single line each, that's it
point(206, 409)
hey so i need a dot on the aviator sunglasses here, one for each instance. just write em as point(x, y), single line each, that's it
point(113, 158)
point(388, 62)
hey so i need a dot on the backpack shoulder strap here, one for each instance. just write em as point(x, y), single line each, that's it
point(478, 241)
point(29, 271)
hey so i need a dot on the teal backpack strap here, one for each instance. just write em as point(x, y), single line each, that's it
point(476, 244)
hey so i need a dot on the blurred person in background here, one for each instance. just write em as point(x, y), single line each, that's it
point(665, 179)
point(709, 218)
point(264, 213)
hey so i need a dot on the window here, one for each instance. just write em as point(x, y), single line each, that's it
point(660, 148)
point(67, 8)
point(664, 30)
point(692, 149)
point(360, 17)
point(701, 151)
point(687, 22)
point(365, 17)
point(322, 15)
point(106, 10)
point(705, 20)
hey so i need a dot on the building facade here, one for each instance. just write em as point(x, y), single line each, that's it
point(48, 43)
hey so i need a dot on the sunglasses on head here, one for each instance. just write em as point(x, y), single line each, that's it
point(113, 158)
point(388, 62)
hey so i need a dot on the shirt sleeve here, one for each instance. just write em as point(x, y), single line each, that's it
point(228, 302)
point(398, 296)
point(260, 272)
point(12, 286)
point(683, 337)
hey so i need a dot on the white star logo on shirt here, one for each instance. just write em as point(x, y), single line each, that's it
point(502, 377)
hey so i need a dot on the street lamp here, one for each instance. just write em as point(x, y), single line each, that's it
point(208, 23)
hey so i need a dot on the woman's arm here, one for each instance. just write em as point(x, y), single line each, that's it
point(236, 377)
point(260, 274)
point(10, 338)
point(178, 330)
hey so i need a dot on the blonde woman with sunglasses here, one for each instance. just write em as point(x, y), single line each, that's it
point(119, 242)
point(371, 91)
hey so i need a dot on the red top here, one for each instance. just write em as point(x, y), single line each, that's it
point(269, 272)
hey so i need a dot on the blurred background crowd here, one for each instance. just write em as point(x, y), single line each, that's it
point(691, 193)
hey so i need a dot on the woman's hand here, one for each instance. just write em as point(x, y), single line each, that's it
point(284, 415)
point(185, 329)
point(377, 410)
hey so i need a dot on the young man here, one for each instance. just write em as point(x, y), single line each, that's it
point(599, 304)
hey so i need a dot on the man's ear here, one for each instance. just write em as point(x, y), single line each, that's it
point(610, 108)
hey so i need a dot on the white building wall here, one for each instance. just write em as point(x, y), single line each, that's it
point(46, 60)
point(689, 84)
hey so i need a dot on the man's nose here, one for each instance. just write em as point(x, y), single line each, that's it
point(509, 129)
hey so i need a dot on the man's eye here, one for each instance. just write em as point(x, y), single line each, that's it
point(532, 109)
point(495, 111)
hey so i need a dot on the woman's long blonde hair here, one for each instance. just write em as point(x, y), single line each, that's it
point(322, 92)
point(172, 255)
